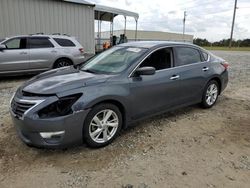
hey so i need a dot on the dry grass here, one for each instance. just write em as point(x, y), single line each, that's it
point(227, 48)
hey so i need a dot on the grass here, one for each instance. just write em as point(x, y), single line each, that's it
point(227, 48)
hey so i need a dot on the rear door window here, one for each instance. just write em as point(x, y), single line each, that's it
point(39, 42)
point(64, 42)
point(186, 56)
point(205, 56)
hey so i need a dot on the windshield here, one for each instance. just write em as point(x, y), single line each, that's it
point(114, 60)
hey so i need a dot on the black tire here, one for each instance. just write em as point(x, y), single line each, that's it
point(87, 124)
point(205, 103)
point(62, 63)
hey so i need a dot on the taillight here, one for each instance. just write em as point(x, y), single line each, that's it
point(81, 50)
point(225, 65)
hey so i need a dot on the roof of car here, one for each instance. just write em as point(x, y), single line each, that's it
point(150, 44)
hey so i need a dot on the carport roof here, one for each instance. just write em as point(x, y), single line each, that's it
point(80, 2)
point(105, 13)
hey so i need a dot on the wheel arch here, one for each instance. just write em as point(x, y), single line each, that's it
point(218, 80)
point(120, 106)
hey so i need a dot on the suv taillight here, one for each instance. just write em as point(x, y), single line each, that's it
point(81, 50)
point(225, 65)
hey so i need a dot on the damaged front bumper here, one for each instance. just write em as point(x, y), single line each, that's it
point(51, 132)
point(58, 132)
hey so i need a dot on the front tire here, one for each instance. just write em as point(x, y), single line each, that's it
point(210, 94)
point(63, 62)
point(102, 125)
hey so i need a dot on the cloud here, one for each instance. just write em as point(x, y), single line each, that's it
point(128, 3)
point(172, 12)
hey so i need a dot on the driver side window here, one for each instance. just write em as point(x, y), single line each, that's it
point(16, 43)
point(160, 59)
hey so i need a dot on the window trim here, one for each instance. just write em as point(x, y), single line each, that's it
point(172, 60)
point(41, 37)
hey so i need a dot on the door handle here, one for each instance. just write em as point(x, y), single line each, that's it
point(205, 69)
point(175, 77)
point(23, 53)
point(53, 51)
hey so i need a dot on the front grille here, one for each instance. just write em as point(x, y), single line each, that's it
point(19, 108)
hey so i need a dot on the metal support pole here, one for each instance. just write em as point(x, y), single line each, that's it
point(125, 25)
point(112, 24)
point(232, 29)
point(99, 39)
point(184, 21)
point(113, 27)
point(111, 31)
point(136, 24)
point(100, 28)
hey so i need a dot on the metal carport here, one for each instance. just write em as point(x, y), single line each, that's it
point(104, 13)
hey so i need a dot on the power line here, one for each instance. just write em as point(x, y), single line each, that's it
point(243, 7)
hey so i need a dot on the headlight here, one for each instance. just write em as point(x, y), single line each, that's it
point(61, 107)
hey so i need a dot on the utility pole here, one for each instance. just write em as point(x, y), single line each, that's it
point(232, 29)
point(184, 21)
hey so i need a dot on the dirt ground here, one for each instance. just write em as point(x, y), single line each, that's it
point(190, 147)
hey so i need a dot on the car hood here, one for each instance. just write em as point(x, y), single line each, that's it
point(62, 79)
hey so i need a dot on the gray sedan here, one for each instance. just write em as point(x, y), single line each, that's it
point(91, 103)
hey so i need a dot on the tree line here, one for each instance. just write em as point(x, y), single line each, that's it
point(223, 42)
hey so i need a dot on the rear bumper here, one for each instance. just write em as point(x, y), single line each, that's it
point(224, 80)
point(79, 59)
point(29, 130)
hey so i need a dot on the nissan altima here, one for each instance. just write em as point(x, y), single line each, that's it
point(92, 102)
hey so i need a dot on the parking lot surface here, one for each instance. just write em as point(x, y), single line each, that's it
point(190, 147)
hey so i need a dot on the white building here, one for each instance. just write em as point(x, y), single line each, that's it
point(149, 35)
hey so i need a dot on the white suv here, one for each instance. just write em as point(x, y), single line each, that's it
point(37, 53)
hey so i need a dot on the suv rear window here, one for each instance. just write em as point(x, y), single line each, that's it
point(39, 42)
point(64, 42)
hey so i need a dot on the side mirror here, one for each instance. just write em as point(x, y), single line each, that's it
point(2, 47)
point(145, 71)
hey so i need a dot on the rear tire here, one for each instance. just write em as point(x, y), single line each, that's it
point(102, 125)
point(210, 94)
point(62, 63)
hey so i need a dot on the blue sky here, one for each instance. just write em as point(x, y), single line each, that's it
point(209, 19)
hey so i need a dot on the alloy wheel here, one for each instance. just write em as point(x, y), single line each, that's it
point(103, 126)
point(63, 64)
point(211, 94)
